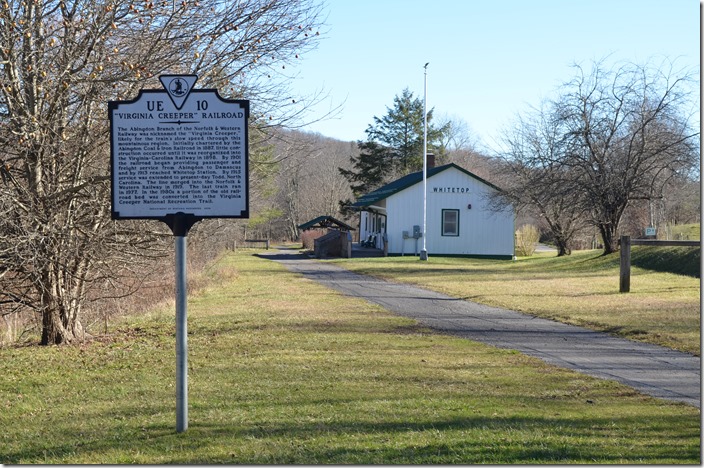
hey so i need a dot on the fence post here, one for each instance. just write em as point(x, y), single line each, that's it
point(625, 270)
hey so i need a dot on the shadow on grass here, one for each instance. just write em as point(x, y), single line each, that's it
point(461, 439)
point(678, 260)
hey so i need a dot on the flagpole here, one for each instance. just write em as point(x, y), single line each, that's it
point(424, 251)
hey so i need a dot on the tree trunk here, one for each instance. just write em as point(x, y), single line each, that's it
point(608, 235)
point(60, 326)
point(562, 247)
point(60, 292)
point(608, 224)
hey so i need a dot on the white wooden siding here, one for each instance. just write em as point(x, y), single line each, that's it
point(482, 231)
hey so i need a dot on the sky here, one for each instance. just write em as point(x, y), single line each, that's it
point(488, 59)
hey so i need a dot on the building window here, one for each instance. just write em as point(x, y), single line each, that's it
point(450, 222)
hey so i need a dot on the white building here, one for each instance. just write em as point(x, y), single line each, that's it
point(459, 219)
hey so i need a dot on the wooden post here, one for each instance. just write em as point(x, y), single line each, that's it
point(625, 273)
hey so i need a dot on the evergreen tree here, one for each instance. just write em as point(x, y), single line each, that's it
point(369, 169)
point(394, 146)
point(401, 130)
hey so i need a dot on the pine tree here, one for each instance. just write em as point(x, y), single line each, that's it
point(401, 130)
point(369, 169)
point(394, 146)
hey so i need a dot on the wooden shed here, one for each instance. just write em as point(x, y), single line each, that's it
point(325, 222)
point(334, 237)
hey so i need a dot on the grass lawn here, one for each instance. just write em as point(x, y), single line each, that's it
point(581, 289)
point(284, 371)
point(685, 231)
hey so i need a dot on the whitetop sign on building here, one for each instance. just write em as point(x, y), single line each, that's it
point(179, 150)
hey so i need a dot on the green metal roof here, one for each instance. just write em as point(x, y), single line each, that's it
point(407, 181)
point(324, 222)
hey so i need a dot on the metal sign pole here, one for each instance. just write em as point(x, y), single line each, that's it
point(181, 336)
point(180, 224)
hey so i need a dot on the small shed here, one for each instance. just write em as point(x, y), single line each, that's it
point(332, 237)
point(325, 222)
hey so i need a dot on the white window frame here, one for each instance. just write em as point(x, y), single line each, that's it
point(444, 227)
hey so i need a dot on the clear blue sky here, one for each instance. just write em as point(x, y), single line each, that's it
point(489, 59)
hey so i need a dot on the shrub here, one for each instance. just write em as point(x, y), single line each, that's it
point(527, 238)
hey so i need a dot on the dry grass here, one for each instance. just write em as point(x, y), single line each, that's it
point(581, 289)
point(285, 371)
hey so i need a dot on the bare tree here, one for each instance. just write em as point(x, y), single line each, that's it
point(683, 201)
point(457, 135)
point(61, 62)
point(310, 184)
point(534, 179)
point(628, 132)
point(611, 136)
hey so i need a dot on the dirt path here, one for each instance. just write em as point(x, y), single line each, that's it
point(650, 369)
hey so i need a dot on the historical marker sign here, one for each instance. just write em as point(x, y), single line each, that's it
point(179, 150)
point(179, 155)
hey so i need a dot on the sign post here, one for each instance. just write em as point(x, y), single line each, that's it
point(180, 224)
point(179, 155)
